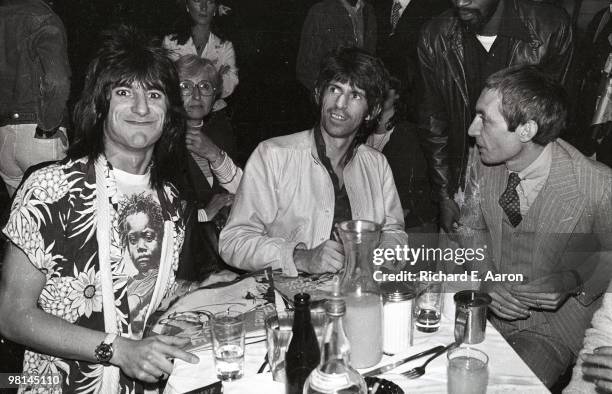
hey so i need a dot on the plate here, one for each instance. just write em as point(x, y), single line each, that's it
point(384, 386)
point(319, 287)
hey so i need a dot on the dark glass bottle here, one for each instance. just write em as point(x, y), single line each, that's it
point(303, 353)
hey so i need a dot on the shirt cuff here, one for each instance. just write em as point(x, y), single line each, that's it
point(226, 171)
point(223, 162)
point(286, 263)
point(202, 217)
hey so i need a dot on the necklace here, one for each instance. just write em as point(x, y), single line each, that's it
point(197, 126)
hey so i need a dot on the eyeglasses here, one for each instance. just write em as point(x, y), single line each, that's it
point(205, 88)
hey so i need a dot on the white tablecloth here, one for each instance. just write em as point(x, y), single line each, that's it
point(507, 372)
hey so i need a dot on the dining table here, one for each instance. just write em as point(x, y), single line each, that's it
point(506, 370)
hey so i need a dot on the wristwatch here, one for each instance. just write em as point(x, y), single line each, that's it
point(104, 351)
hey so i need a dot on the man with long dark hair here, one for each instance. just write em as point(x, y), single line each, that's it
point(66, 275)
point(295, 188)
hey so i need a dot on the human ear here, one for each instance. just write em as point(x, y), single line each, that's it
point(316, 96)
point(526, 131)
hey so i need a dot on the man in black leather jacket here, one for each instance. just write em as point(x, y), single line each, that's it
point(34, 87)
point(457, 51)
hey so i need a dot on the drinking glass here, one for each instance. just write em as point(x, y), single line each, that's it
point(428, 306)
point(278, 337)
point(228, 344)
point(467, 371)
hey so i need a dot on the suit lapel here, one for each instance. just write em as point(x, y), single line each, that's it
point(409, 12)
point(562, 201)
point(494, 181)
point(385, 9)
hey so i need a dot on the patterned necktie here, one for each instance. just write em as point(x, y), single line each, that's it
point(395, 14)
point(509, 200)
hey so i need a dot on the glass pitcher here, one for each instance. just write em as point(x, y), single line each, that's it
point(363, 320)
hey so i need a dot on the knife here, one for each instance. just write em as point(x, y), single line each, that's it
point(388, 367)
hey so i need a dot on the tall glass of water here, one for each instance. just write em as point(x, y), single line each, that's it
point(467, 371)
point(428, 306)
point(228, 344)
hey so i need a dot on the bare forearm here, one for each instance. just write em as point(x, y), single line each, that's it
point(57, 337)
point(51, 335)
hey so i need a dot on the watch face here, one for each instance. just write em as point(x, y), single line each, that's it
point(104, 352)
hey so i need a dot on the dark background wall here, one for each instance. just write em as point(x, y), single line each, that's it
point(265, 33)
point(268, 100)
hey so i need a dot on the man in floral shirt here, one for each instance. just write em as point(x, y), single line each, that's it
point(67, 281)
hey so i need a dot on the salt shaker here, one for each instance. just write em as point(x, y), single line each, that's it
point(398, 300)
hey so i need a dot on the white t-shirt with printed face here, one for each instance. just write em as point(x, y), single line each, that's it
point(140, 227)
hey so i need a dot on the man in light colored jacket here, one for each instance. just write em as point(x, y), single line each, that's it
point(295, 188)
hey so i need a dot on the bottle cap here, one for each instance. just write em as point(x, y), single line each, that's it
point(397, 291)
point(301, 299)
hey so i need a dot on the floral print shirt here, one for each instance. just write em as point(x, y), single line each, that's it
point(53, 221)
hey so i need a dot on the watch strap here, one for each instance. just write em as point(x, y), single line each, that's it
point(110, 338)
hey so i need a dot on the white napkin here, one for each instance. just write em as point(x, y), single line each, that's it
point(186, 377)
point(261, 383)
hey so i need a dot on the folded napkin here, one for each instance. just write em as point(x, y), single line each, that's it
point(186, 377)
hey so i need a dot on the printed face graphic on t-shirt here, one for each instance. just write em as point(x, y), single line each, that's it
point(143, 242)
point(141, 228)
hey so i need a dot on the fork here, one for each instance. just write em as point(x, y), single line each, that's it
point(417, 372)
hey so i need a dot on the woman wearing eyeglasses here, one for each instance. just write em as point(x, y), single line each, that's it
point(212, 176)
point(207, 177)
point(197, 32)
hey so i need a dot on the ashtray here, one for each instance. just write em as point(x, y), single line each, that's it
point(384, 386)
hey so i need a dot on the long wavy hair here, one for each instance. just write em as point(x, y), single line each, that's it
point(128, 55)
point(181, 28)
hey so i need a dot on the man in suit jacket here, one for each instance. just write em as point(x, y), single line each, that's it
point(399, 23)
point(457, 51)
point(545, 213)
